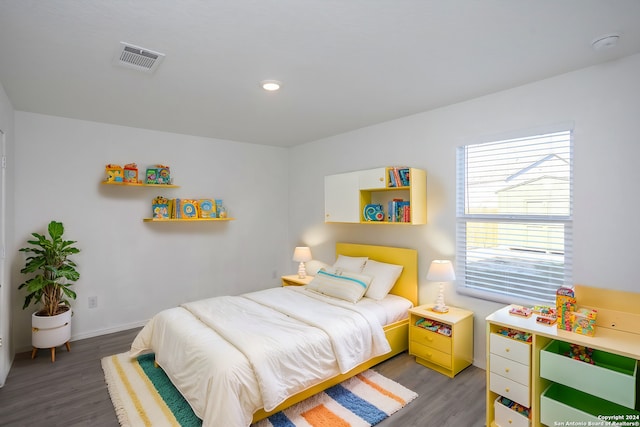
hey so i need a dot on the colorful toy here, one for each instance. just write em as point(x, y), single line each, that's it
point(520, 310)
point(114, 173)
point(435, 326)
point(207, 208)
point(152, 176)
point(131, 173)
point(523, 410)
point(160, 207)
point(583, 321)
point(565, 305)
point(582, 353)
point(163, 174)
point(515, 334)
point(546, 320)
point(186, 208)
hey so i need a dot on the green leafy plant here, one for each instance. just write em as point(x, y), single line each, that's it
point(55, 272)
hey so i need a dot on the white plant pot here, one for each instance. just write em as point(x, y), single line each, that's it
point(50, 331)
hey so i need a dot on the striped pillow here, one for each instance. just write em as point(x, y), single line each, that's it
point(345, 285)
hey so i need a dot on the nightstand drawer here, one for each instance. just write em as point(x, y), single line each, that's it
point(510, 369)
point(519, 351)
point(510, 389)
point(431, 339)
point(430, 354)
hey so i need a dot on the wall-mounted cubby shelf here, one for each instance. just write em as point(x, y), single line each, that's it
point(139, 184)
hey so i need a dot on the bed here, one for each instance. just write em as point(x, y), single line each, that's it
point(234, 370)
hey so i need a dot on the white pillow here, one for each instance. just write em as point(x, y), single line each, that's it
point(350, 263)
point(347, 286)
point(384, 277)
point(314, 265)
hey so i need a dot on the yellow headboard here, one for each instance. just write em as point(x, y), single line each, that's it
point(407, 284)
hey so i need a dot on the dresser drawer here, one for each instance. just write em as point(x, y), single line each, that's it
point(431, 339)
point(518, 351)
point(430, 354)
point(510, 369)
point(506, 417)
point(510, 389)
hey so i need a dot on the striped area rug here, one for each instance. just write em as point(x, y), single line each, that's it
point(142, 395)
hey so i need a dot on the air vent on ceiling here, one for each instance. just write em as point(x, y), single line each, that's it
point(138, 58)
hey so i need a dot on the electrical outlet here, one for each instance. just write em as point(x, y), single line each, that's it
point(93, 302)
point(0, 341)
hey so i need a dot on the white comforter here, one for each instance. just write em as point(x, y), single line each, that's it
point(230, 356)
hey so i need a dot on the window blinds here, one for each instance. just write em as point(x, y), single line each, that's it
point(514, 217)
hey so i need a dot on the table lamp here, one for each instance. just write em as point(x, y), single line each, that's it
point(302, 254)
point(441, 271)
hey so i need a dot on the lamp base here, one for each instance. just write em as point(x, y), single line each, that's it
point(302, 271)
point(439, 308)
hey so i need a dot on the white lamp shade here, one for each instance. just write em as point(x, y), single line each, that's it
point(441, 271)
point(302, 254)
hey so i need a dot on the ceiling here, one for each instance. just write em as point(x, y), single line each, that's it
point(344, 64)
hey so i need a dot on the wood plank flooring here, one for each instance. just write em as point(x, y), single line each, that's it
point(72, 391)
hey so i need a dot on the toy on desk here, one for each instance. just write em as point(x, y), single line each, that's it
point(583, 321)
point(114, 173)
point(565, 305)
point(544, 310)
point(546, 320)
point(520, 310)
point(131, 173)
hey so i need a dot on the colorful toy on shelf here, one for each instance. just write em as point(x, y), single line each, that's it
point(520, 310)
point(131, 173)
point(434, 326)
point(582, 353)
point(114, 173)
point(515, 334)
point(163, 174)
point(152, 176)
point(207, 208)
point(546, 320)
point(583, 321)
point(522, 410)
point(186, 209)
point(221, 211)
point(160, 207)
point(565, 305)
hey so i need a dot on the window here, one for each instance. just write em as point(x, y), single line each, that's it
point(514, 217)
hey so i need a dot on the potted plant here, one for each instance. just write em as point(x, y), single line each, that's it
point(54, 273)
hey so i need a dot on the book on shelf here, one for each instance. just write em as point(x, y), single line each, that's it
point(399, 177)
point(399, 211)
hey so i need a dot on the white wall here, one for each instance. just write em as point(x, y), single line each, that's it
point(603, 102)
point(7, 127)
point(134, 268)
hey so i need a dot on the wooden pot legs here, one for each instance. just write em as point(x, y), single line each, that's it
point(53, 351)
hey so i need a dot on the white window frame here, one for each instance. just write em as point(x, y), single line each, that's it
point(508, 290)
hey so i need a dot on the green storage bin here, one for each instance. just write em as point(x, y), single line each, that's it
point(613, 377)
point(560, 403)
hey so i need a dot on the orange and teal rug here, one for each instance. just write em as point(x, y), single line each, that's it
point(142, 395)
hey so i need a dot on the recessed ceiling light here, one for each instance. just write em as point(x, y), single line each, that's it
point(606, 41)
point(270, 85)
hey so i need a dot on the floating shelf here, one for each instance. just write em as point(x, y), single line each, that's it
point(186, 220)
point(139, 184)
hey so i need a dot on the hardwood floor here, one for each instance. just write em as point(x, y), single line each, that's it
point(72, 391)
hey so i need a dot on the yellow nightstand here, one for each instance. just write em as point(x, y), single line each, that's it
point(445, 354)
point(293, 280)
